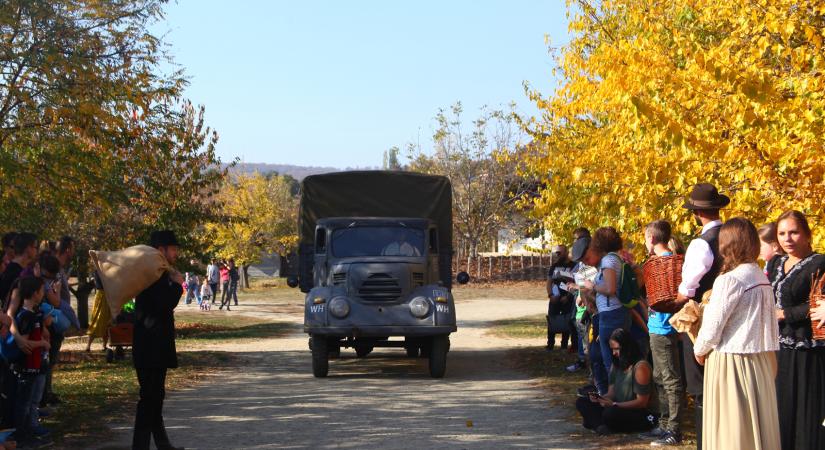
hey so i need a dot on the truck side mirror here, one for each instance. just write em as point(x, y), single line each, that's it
point(462, 277)
point(292, 282)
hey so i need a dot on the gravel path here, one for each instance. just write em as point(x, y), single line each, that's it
point(384, 401)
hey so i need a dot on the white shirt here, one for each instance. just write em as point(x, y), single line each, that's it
point(698, 261)
point(212, 273)
point(739, 317)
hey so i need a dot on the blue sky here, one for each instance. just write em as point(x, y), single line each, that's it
point(335, 83)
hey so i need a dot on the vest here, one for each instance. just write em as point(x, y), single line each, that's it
point(706, 283)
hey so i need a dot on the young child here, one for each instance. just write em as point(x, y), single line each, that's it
point(30, 369)
point(206, 295)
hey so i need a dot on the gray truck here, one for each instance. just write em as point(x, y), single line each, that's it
point(374, 258)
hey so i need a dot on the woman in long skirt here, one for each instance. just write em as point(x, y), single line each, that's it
point(800, 384)
point(740, 333)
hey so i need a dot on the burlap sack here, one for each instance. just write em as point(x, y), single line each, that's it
point(125, 273)
point(689, 318)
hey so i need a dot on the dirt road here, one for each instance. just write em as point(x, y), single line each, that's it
point(384, 401)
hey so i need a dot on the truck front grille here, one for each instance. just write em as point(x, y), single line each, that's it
point(418, 279)
point(380, 287)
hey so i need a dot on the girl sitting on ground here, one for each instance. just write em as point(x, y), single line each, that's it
point(627, 405)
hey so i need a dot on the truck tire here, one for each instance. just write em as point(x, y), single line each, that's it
point(438, 355)
point(362, 351)
point(334, 350)
point(320, 356)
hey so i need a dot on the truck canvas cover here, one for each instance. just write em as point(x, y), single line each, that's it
point(376, 194)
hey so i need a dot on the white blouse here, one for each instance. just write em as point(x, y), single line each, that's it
point(739, 317)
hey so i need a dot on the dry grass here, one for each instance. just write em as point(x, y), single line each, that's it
point(516, 290)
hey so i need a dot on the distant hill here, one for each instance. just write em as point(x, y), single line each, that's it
point(297, 172)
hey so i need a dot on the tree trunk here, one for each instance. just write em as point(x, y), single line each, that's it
point(81, 294)
point(245, 276)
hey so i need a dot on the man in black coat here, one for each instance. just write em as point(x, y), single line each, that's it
point(153, 347)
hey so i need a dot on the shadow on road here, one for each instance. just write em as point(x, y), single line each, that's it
point(386, 400)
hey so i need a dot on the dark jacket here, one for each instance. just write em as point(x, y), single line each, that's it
point(154, 339)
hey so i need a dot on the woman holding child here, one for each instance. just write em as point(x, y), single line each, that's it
point(737, 344)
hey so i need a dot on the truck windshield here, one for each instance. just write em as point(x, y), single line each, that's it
point(377, 241)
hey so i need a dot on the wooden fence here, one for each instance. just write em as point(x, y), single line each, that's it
point(504, 268)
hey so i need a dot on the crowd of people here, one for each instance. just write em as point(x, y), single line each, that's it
point(222, 277)
point(753, 370)
point(35, 315)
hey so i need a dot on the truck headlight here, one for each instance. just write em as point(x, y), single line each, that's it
point(339, 307)
point(419, 307)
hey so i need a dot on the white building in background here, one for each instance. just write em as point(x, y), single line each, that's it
point(270, 266)
point(512, 242)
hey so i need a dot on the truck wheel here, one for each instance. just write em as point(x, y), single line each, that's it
point(438, 355)
point(335, 351)
point(412, 351)
point(320, 356)
point(362, 351)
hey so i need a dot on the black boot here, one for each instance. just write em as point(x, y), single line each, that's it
point(141, 439)
point(162, 439)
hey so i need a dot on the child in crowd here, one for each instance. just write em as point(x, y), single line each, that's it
point(30, 369)
point(206, 295)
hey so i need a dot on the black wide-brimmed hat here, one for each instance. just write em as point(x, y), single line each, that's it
point(706, 196)
point(163, 238)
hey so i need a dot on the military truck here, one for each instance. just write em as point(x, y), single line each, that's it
point(374, 258)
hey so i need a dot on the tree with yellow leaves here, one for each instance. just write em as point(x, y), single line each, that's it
point(258, 216)
point(659, 95)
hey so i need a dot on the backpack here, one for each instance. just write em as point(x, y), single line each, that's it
point(628, 290)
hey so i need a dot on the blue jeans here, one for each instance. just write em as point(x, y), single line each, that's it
point(609, 321)
point(29, 392)
point(594, 351)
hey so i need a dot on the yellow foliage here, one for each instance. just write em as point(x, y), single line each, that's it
point(657, 96)
point(259, 216)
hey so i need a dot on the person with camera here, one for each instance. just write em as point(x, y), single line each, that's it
point(560, 304)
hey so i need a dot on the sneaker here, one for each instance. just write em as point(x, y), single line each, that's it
point(575, 367)
point(655, 433)
point(585, 391)
point(667, 440)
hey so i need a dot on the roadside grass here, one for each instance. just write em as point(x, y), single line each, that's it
point(197, 327)
point(549, 369)
point(516, 290)
point(521, 327)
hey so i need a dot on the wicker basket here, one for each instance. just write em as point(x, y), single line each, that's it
point(817, 294)
point(662, 275)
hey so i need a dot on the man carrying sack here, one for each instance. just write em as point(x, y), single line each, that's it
point(153, 347)
point(699, 271)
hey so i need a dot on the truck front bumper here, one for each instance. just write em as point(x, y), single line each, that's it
point(381, 331)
